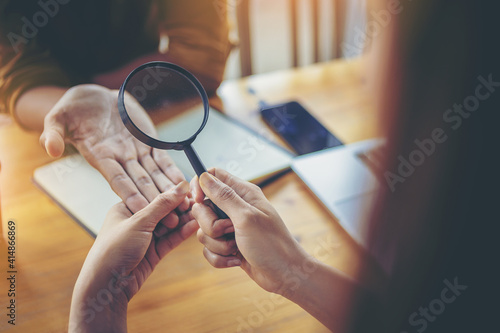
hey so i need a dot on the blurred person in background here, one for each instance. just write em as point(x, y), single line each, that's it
point(61, 62)
point(434, 71)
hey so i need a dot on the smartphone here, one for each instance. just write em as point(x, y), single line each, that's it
point(300, 130)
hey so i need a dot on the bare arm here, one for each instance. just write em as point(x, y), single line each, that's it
point(327, 294)
point(268, 253)
point(32, 107)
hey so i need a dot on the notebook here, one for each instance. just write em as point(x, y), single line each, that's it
point(84, 194)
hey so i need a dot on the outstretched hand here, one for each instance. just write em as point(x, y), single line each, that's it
point(87, 117)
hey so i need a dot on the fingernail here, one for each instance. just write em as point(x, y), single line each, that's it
point(229, 230)
point(193, 187)
point(234, 263)
point(207, 179)
point(182, 188)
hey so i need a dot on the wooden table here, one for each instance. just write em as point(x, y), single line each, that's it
point(185, 294)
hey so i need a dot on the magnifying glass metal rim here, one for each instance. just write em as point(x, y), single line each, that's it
point(185, 145)
point(143, 137)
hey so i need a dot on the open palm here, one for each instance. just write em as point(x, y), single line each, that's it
point(87, 117)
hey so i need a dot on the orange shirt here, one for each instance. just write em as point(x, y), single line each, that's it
point(70, 42)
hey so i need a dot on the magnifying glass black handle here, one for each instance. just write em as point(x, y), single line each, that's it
point(219, 212)
point(199, 168)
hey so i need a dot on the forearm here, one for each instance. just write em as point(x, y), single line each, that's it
point(327, 294)
point(32, 107)
point(98, 304)
point(88, 315)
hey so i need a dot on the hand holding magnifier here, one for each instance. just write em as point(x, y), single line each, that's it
point(165, 90)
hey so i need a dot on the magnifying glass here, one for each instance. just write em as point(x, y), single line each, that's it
point(164, 91)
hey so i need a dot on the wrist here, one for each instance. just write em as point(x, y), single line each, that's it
point(298, 267)
point(299, 270)
point(95, 315)
point(99, 304)
point(33, 105)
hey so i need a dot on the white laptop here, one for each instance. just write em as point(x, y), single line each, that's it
point(342, 178)
point(85, 195)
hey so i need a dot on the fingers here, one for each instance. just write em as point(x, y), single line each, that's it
point(121, 184)
point(225, 197)
point(168, 166)
point(221, 246)
point(159, 178)
point(240, 186)
point(219, 261)
point(170, 171)
point(244, 189)
point(141, 179)
point(167, 223)
point(185, 205)
point(170, 221)
point(173, 239)
point(133, 181)
point(186, 217)
point(163, 204)
point(52, 138)
point(211, 225)
point(249, 192)
point(220, 251)
point(197, 192)
point(225, 177)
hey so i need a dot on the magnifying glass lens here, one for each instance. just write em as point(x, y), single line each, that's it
point(158, 92)
point(164, 94)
